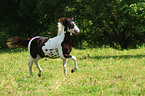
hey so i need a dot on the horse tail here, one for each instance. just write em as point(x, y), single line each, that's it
point(18, 42)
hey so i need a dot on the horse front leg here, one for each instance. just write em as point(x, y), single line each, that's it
point(38, 66)
point(75, 61)
point(64, 66)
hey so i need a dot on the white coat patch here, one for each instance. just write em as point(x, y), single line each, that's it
point(50, 48)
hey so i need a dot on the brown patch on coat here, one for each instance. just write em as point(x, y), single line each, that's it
point(36, 47)
point(66, 45)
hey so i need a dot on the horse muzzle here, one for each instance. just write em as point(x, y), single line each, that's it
point(76, 32)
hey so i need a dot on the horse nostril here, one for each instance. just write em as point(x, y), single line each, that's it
point(76, 31)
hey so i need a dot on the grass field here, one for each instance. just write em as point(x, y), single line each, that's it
point(102, 72)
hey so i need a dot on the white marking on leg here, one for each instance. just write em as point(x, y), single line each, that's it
point(64, 66)
point(38, 66)
point(30, 66)
point(75, 67)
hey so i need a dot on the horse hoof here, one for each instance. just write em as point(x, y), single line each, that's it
point(39, 75)
point(72, 71)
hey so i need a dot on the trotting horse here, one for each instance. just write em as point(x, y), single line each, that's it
point(57, 47)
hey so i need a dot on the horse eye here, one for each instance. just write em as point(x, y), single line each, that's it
point(71, 26)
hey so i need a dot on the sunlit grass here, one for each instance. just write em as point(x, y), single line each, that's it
point(102, 71)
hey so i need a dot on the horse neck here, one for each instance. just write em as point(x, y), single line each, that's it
point(67, 38)
point(60, 29)
point(63, 34)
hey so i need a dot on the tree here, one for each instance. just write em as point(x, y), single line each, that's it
point(117, 23)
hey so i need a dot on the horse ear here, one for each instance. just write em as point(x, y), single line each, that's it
point(65, 19)
point(59, 20)
point(62, 19)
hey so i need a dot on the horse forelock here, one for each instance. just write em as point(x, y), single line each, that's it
point(65, 21)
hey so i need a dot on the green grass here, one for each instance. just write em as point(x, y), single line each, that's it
point(102, 72)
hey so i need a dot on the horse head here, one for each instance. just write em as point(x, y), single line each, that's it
point(69, 25)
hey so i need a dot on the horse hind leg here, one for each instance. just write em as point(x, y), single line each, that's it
point(64, 66)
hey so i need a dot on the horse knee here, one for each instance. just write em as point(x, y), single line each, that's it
point(73, 57)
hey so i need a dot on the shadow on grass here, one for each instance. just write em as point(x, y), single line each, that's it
point(12, 50)
point(115, 57)
point(17, 50)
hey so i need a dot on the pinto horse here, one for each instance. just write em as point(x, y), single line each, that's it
point(57, 47)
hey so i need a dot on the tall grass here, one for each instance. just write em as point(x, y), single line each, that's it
point(102, 71)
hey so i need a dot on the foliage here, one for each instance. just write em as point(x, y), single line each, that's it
point(115, 22)
point(102, 22)
point(110, 72)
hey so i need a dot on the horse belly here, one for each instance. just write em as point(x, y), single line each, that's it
point(51, 52)
point(52, 48)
